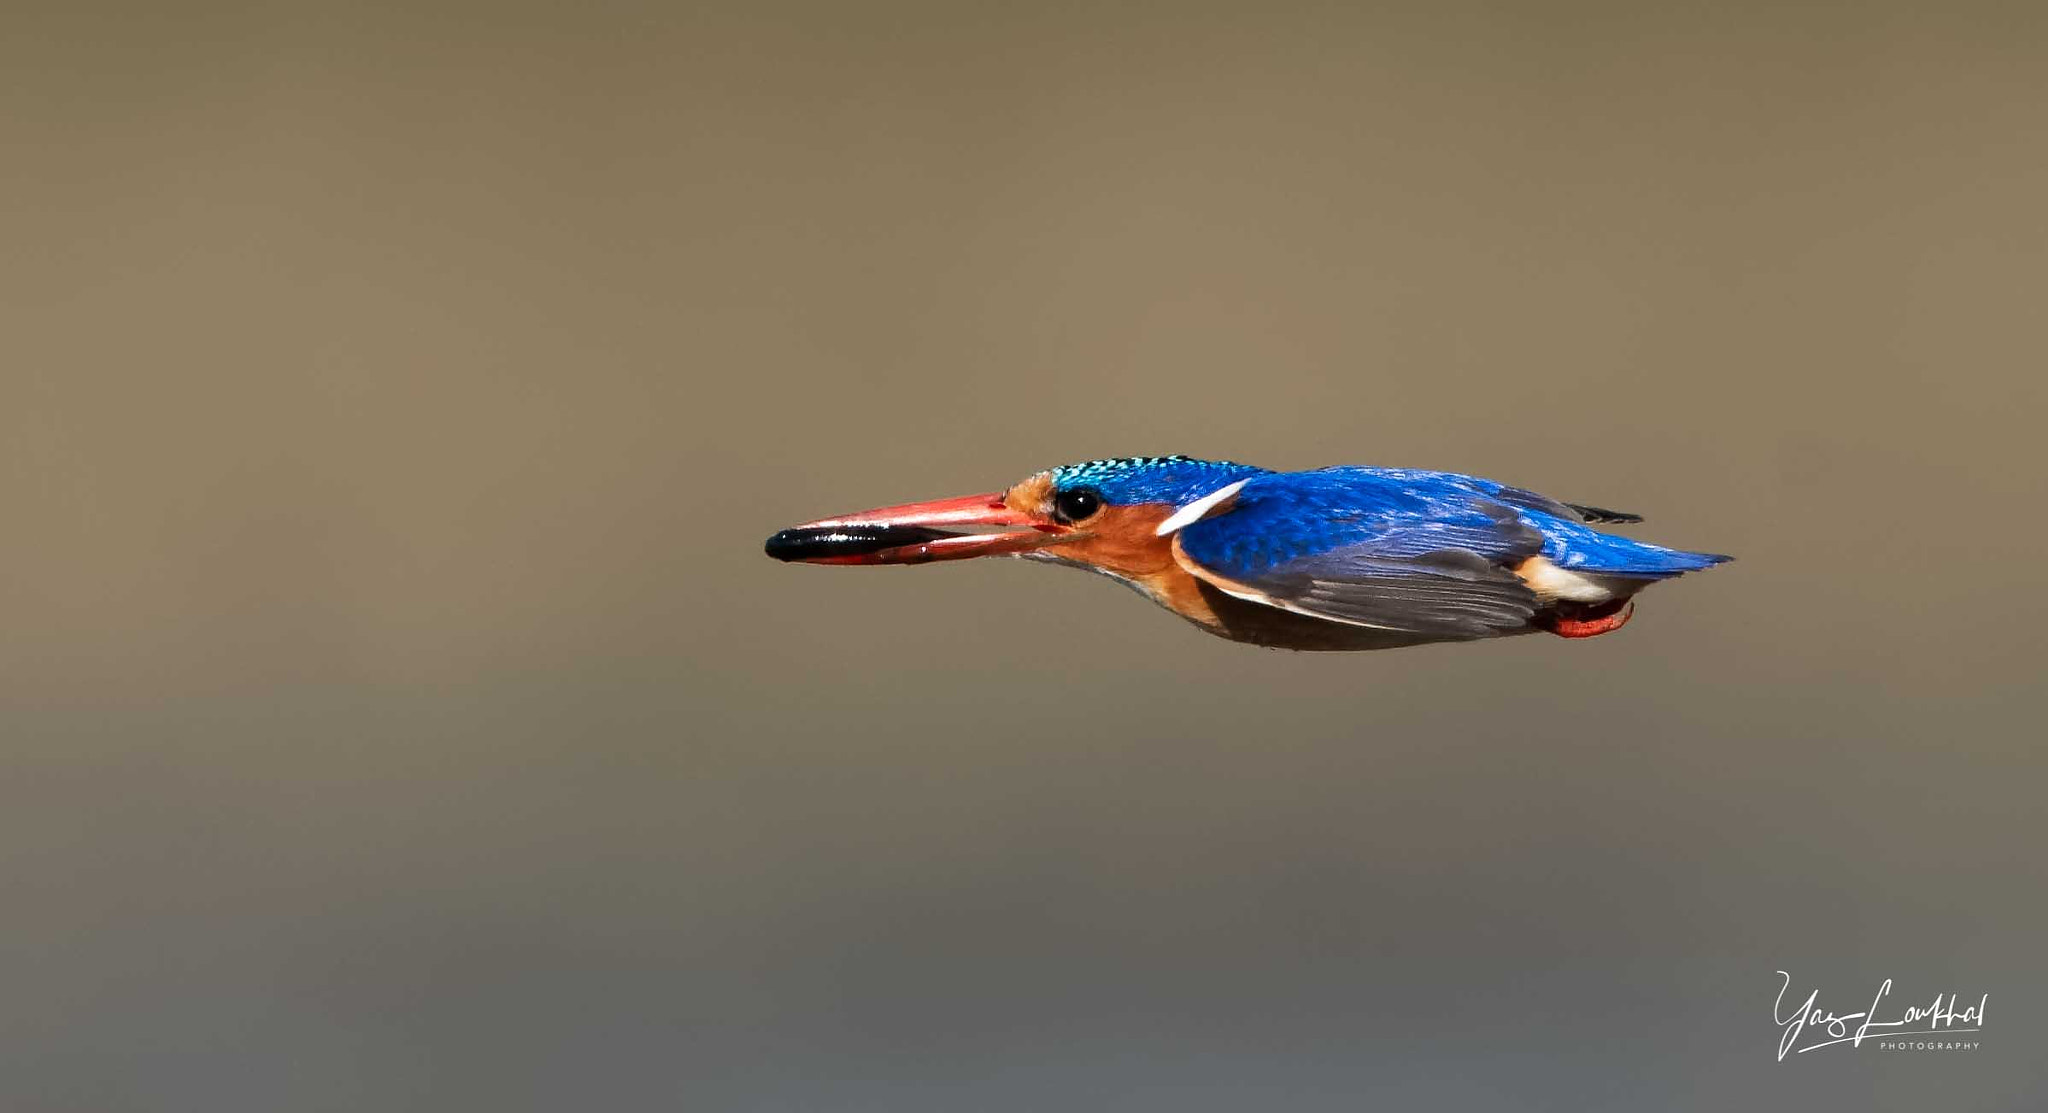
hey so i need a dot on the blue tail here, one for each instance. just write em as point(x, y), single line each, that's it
point(1577, 546)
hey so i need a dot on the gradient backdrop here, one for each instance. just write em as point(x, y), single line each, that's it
point(398, 712)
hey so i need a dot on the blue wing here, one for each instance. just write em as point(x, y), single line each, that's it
point(1356, 546)
point(1429, 553)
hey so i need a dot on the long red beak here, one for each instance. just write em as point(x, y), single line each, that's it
point(916, 532)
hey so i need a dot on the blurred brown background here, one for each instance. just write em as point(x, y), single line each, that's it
point(399, 713)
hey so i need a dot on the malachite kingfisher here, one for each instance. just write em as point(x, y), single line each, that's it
point(1336, 558)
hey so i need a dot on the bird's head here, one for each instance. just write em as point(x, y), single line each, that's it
point(1102, 513)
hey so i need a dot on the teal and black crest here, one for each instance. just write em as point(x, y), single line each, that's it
point(1129, 480)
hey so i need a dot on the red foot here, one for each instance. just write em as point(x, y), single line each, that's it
point(1589, 623)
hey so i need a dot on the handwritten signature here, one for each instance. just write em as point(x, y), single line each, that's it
point(1942, 1016)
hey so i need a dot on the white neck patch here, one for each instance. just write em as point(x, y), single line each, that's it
point(1199, 509)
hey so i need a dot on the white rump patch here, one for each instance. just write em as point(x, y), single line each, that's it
point(1197, 510)
point(1551, 582)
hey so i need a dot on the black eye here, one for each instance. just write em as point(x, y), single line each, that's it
point(1073, 506)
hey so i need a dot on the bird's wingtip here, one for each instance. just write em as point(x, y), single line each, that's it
point(1600, 515)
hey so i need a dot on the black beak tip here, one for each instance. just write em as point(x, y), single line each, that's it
point(844, 541)
point(785, 544)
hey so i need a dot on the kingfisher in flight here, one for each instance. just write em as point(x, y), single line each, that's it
point(1336, 558)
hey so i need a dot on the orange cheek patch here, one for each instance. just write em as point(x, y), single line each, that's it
point(1124, 542)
